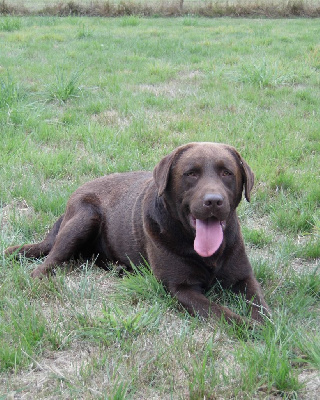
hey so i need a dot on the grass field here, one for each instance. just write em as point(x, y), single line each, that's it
point(80, 98)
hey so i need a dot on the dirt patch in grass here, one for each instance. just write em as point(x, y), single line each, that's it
point(19, 208)
point(303, 266)
point(312, 381)
point(52, 372)
point(184, 85)
point(167, 90)
point(111, 118)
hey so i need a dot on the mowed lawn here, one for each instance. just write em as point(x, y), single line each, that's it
point(80, 98)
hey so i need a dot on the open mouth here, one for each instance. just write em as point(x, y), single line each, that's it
point(209, 235)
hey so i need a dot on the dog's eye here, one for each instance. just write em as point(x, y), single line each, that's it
point(191, 174)
point(225, 172)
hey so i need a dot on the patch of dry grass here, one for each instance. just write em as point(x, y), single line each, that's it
point(175, 357)
point(217, 8)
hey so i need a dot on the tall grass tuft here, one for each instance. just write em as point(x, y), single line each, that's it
point(65, 87)
point(142, 284)
point(84, 32)
point(265, 75)
point(309, 346)
point(201, 374)
point(130, 20)
point(9, 91)
point(267, 366)
point(9, 24)
point(22, 331)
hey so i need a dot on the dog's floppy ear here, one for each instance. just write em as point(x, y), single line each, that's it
point(161, 172)
point(247, 175)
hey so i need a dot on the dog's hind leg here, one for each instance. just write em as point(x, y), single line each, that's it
point(37, 250)
point(78, 231)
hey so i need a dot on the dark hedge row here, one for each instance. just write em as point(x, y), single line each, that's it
point(166, 9)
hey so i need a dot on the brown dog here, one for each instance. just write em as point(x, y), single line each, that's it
point(182, 220)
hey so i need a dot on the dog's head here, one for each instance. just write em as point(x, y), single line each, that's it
point(203, 183)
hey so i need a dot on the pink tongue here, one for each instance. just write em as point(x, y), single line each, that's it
point(209, 236)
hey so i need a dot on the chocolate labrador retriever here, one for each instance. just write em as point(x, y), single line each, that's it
point(181, 219)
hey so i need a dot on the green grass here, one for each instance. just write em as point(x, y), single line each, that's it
point(83, 97)
point(10, 24)
point(64, 87)
point(9, 92)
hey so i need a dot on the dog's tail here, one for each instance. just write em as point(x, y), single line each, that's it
point(37, 250)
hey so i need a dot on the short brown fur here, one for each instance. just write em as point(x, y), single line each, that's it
point(140, 216)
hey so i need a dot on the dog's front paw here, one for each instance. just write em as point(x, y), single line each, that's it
point(261, 314)
point(12, 250)
point(39, 272)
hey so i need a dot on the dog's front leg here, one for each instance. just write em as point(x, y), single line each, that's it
point(196, 303)
point(252, 292)
point(185, 281)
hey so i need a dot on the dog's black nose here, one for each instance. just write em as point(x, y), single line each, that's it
point(213, 200)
